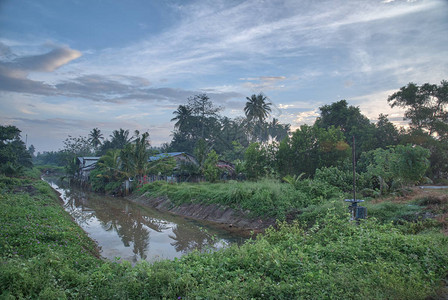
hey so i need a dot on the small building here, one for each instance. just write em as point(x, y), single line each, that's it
point(227, 169)
point(85, 165)
point(178, 156)
point(178, 173)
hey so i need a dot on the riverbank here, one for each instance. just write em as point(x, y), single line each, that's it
point(232, 220)
point(254, 206)
point(40, 243)
point(47, 256)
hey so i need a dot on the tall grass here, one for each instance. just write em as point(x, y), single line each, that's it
point(266, 198)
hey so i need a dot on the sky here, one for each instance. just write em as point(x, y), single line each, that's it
point(67, 67)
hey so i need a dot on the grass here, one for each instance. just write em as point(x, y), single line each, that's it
point(40, 244)
point(265, 198)
point(45, 255)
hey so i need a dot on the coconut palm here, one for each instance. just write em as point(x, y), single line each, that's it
point(141, 155)
point(257, 109)
point(95, 137)
point(183, 117)
point(278, 131)
point(120, 138)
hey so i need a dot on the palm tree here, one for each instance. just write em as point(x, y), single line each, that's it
point(110, 164)
point(183, 117)
point(257, 108)
point(278, 131)
point(95, 137)
point(141, 155)
point(120, 138)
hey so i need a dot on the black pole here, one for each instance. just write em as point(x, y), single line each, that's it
point(354, 170)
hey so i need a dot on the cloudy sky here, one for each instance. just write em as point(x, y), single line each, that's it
point(69, 66)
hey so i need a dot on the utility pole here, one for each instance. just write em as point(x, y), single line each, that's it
point(357, 212)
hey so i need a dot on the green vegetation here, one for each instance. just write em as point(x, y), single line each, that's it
point(43, 252)
point(45, 255)
point(396, 253)
point(14, 157)
point(266, 198)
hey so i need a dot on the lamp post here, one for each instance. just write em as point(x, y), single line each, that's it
point(357, 212)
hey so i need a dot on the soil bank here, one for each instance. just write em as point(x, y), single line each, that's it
point(230, 219)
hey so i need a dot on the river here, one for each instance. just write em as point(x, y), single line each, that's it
point(128, 231)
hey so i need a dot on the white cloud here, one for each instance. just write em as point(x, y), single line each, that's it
point(372, 105)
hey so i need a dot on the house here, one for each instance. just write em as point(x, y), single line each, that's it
point(178, 173)
point(178, 156)
point(85, 165)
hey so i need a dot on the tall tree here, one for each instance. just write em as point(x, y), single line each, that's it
point(257, 108)
point(13, 153)
point(351, 122)
point(141, 154)
point(120, 138)
point(426, 106)
point(278, 131)
point(204, 110)
point(309, 148)
point(386, 133)
point(95, 137)
point(183, 118)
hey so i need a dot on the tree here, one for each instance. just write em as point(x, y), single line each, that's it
point(107, 176)
point(183, 118)
point(119, 138)
point(426, 106)
point(351, 122)
point(205, 111)
point(278, 131)
point(310, 148)
point(13, 153)
point(256, 161)
point(257, 109)
point(74, 147)
point(395, 166)
point(95, 137)
point(77, 146)
point(198, 119)
point(31, 150)
point(386, 133)
point(200, 151)
point(211, 171)
point(410, 163)
point(141, 154)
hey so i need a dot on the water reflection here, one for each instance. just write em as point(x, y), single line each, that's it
point(132, 232)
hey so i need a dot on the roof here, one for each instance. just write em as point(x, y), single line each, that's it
point(170, 154)
point(82, 158)
point(87, 161)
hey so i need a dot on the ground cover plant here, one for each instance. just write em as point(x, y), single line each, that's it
point(45, 255)
point(265, 198)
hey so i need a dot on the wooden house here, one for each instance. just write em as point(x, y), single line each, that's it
point(85, 165)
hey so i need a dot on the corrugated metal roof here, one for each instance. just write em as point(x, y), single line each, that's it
point(88, 161)
point(164, 155)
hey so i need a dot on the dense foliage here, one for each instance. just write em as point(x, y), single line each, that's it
point(14, 157)
point(45, 255)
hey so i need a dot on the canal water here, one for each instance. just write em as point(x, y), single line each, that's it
point(128, 231)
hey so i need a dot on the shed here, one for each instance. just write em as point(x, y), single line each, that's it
point(85, 165)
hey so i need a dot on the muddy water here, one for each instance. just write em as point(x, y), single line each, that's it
point(128, 231)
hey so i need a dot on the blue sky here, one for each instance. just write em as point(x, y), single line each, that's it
point(69, 66)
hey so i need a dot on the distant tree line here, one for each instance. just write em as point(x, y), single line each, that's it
point(260, 146)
